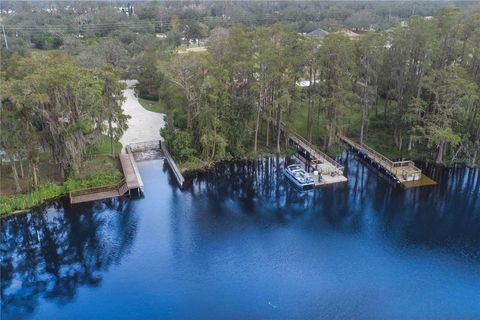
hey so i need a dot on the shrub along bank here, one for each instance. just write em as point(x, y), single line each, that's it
point(50, 191)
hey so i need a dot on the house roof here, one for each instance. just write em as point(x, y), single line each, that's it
point(318, 33)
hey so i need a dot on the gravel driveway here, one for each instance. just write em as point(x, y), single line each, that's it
point(143, 125)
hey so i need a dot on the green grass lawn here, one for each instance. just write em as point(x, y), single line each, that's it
point(381, 140)
point(300, 122)
point(97, 170)
point(379, 135)
point(154, 106)
point(103, 147)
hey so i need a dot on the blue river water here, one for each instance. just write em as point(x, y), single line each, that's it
point(241, 242)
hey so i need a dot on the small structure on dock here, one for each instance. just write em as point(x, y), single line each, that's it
point(325, 170)
point(404, 172)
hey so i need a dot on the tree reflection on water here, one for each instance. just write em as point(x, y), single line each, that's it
point(50, 255)
point(442, 215)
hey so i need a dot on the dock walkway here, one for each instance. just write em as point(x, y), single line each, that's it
point(329, 171)
point(132, 181)
point(176, 172)
point(99, 193)
point(404, 172)
point(130, 170)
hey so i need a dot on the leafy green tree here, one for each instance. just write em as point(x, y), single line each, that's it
point(67, 103)
point(214, 99)
point(47, 41)
point(11, 143)
point(274, 60)
point(311, 55)
point(337, 65)
point(371, 52)
point(112, 110)
point(186, 71)
point(450, 93)
point(180, 143)
point(195, 30)
point(234, 69)
point(447, 27)
point(408, 60)
point(148, 76)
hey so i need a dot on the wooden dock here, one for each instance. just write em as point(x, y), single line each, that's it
point(404, 172)
point(132, 181)
point(130, 170)
point(160, 146)
point(176, 172)
point(98, 193)
point(325, 170)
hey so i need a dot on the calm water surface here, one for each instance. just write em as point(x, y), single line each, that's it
point(242, 243)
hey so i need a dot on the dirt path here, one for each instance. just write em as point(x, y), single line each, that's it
point(143, 125)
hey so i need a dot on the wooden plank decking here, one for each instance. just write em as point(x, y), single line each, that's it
point(98, 193)
point(329, 171)
point(176, 172)
point(132, 181)
point(404, 172)
point(93, 196)
point(130, 170)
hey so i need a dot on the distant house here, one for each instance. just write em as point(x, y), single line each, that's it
point(305, 83)
point(320, 33)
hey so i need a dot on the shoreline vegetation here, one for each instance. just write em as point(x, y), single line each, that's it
point(407, 87)
point(97, 170)
point(198, 165)
point(59, 118)
point(409, 93)
point(16, 203)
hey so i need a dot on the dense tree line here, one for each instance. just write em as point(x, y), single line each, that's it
point(302, 16)
point(417, 83)
point(53, 24)
point(425, 72)
point(50, 103)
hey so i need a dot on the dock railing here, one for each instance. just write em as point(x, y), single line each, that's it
point(388, 164)
point(378, 156)
point(81, 192)
point(312, 149)
point(144, 146)
point(173, 165)
point(121, 186)
point(139, 181)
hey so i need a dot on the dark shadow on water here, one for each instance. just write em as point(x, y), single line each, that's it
point(51, 255)
point(446, 215)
